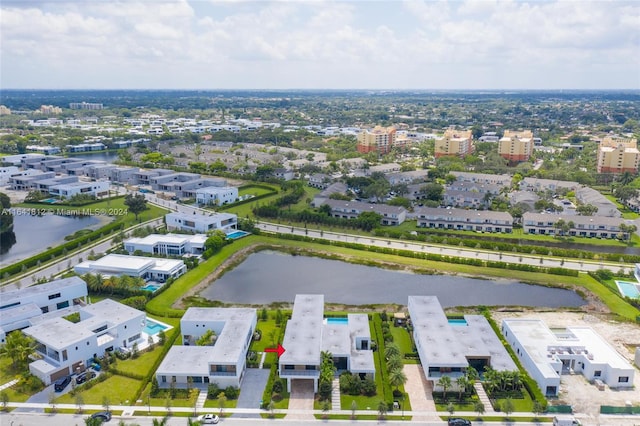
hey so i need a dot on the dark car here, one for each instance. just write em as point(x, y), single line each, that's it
point(458, 422)
point(62, 383)
point(83, 377)
point(104, 416)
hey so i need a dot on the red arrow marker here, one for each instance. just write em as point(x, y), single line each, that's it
point(279, 350)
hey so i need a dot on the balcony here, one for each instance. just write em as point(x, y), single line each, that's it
point(299, 373)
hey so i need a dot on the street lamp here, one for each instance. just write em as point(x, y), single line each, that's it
point(149, 404)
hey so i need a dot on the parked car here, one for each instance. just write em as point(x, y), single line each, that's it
point(209, 419)
point(62, 383)
point(83, 377)
point(458, 422)
point(104, 416)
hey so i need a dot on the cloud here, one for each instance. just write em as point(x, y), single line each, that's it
point(412, 43)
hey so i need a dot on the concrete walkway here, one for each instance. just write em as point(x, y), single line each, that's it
point(8, 384)
point(482, 395)
point(420, 392)
point(335, 394)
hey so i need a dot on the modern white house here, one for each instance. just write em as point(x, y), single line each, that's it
point(67, 347)
point(18, 307)
point(224, 362)
point(449, 347)
point(6, 173)
point(67, 190)
point(201, 223)
point(216, 196)
point(548, 353)
point(308, 334)
point(148, 268)
point(167, 244)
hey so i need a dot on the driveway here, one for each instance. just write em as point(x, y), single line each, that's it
point(420, 392)
point(253, 384)
point(300, 400)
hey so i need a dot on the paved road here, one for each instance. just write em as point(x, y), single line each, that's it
point(33, 419)
point(584, 266)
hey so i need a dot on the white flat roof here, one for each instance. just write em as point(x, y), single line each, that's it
point(166, 265)
point(481, 341)
point(187, 360)
point(119, 262)
point(153, 239)
point(211, 218)
point(9, 296)
point(303, 336)
point(439, 342)
point(112, 311)
point(534, 336)
point(58, 333)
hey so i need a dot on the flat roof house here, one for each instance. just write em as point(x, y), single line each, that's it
point(216, 196)
point(224, 362)
point(308, 334)
point(149, 268)
point(67, 190)
point(450, 348)
point(67, 347)
point(201, 223)
point(17, 307)
point(167, 244)
point(547, 353)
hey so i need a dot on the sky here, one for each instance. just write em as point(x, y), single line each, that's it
point(314, 44)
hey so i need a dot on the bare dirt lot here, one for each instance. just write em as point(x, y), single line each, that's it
point(575, 390)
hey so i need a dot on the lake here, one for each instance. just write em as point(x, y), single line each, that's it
point(106, 156)
point(34, 234)
point(270, 276)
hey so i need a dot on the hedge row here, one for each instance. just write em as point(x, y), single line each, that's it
point(433, 256)
point(378, 356)
point(273, 375)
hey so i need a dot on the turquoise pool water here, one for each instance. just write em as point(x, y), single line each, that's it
point(337, 320)
point(457, 321)
point(152, 328)
point(50, 200)
point(629, 289)
point(151, 287)
point(237, 234)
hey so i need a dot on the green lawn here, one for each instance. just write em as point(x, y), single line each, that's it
point(161, 400)
point(6, 370)
point(626, 213)
point(118, 389)
point(141, 364)
point(402, 338)
point(268, 328)
point(253, 190)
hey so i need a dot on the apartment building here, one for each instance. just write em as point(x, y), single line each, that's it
point(580, 226)
point(391, 215)
point(454, 143)
point(618, 155)
point(464, 220)
point(379, 139)
point(516, 146)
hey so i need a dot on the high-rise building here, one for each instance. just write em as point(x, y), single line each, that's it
point(50, 109)
point(85, 105)
point(455, 142)
point(380, 139)
point(516, 146)
point(618, 155)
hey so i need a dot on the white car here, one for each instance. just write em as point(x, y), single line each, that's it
point(209, 419)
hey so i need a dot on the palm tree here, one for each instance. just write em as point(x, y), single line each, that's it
point(90, 421)
point(391, 350)
point(394, 363)
point(478, 407)
point(445, 382)
point(382, 409)
point(462, 382)
point(161, 422)
point(18, 347)
point(397, 378)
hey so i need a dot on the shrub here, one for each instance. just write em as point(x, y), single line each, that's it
point(231, 392)
point(278, 387)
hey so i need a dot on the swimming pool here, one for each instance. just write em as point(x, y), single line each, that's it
point(342, 320)
point(151, 287)
point(237, 234)
point(629, 289)
point(457, 321)
point(152, 328)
